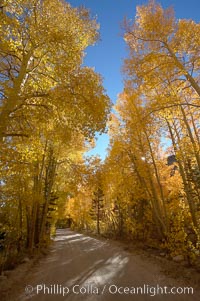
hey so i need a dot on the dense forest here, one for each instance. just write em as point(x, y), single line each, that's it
point(51, 107)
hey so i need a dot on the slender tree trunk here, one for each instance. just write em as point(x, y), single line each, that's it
point(187, 185)
point(187, 75)
point(195, 129)
point(98, 217)
point(193, 142)
point(49, 181)
point(20, 225)
point(159, 183)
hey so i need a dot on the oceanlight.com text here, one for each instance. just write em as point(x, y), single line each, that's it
point(113, 289)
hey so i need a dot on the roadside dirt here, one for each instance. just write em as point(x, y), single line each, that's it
point(79, 267)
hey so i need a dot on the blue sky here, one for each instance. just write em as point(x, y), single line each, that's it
point(108, 54)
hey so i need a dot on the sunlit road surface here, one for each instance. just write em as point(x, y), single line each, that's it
point(83, 268)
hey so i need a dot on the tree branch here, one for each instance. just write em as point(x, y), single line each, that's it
point(174, 105)
point(14, 135)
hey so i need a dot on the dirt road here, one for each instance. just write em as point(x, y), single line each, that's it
point(84, 268)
